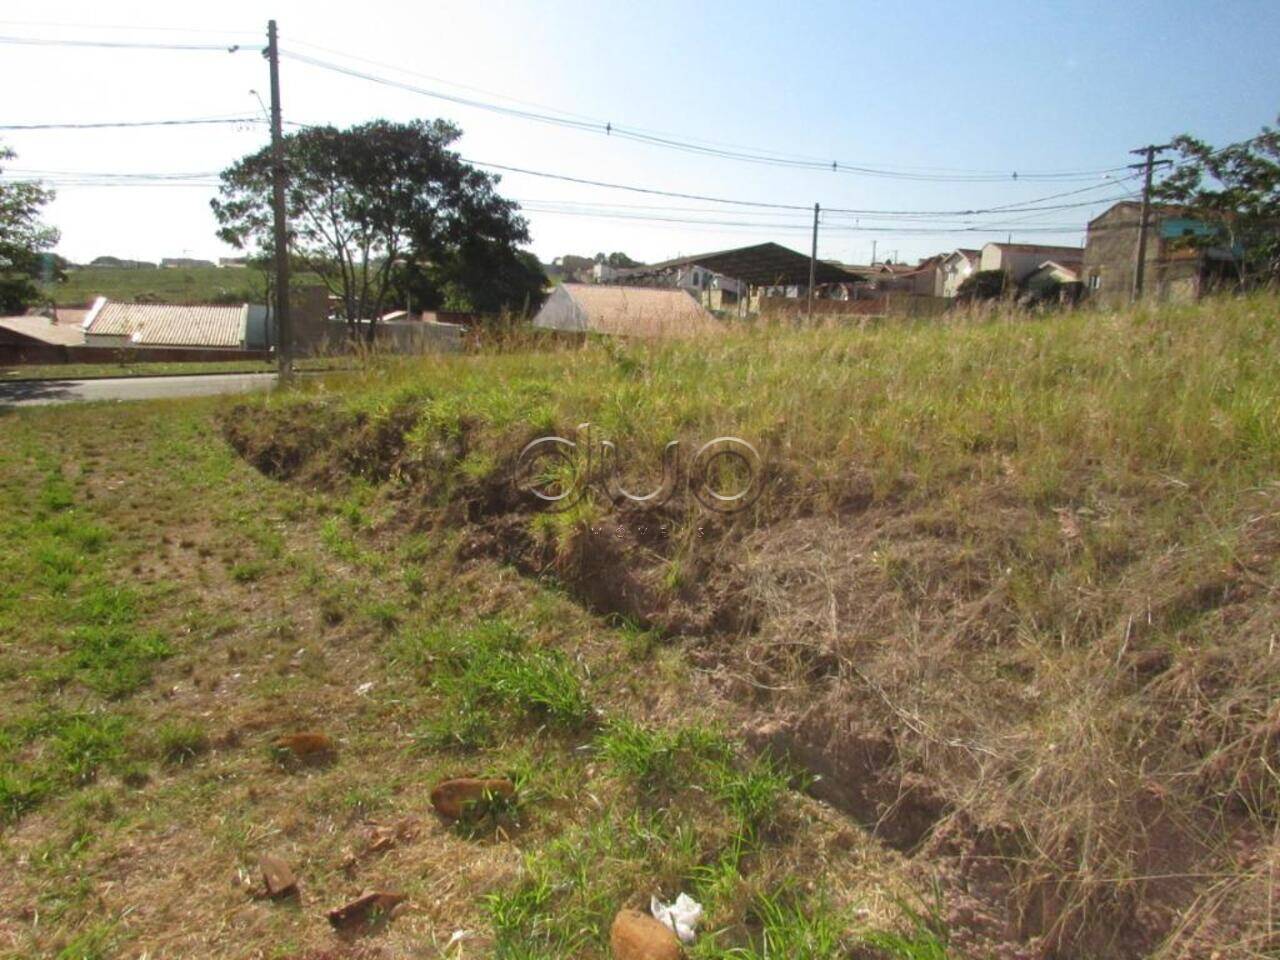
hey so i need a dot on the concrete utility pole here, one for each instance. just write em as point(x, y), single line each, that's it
point(813, 261)
point(284, 326)
point(873, 252)
point(1144, 220)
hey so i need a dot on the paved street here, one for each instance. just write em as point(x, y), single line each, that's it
point(40, 392)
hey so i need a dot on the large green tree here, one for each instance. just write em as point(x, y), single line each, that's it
point(23, 237)
point(381, 209)
point(1236, 187)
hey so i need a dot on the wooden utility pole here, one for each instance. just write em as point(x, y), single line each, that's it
point(813, 261)
point(284, 326)
point(1144, 220)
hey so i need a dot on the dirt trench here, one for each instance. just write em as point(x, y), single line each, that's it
point(852, 644)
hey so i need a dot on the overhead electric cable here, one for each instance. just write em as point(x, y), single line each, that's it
point(566, 119)
point(124, 44)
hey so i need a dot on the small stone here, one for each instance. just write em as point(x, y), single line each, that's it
point(277, 876)
point(637, 936)
point(365, 911)
point(308, 747)
point(385, 836)
point(452, 798)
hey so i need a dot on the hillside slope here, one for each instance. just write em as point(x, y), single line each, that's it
point(1010, 594)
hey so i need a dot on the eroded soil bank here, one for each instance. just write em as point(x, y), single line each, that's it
point(1066, 723)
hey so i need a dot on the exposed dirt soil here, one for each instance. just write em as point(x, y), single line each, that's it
point(885, 649)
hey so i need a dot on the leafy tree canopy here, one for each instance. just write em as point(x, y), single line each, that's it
point(23, 237)
point(1237, 187)
point(381, 209)
point(580, 267)
point(982, 285)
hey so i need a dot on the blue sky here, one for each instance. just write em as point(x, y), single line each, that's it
point(911, 89)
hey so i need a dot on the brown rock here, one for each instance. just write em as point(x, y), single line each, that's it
point(452, 798)
point(307, 747)
point(277, 876)
point(384, 836)
point(366, 911)
point(637, 936)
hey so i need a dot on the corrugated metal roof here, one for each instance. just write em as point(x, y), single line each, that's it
point(762, 265)
point(171, 325)
point(628, 311)
point(44, 330)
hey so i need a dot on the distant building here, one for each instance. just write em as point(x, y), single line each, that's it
point(956, 268)
point(236, 327)
point(1182, 262)
point(117, 263)
point(926, 276)
point(184, 263)
point(1020, 260)
point(604, 273)
point(1053, 281)
point(233, 261)
point(29, 331)
point(648, 312)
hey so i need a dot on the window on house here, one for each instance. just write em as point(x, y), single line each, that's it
point(1095, 282)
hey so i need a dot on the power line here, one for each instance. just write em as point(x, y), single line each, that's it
point(1027, 206)
point(632, 189)
point(1021, 207)
point(122, 44)
point(572, 121)
point(127, 26)
point(815, 162)
point(127, 124)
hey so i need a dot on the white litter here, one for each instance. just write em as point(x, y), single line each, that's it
point(459, 936)
point(364, 688)
point(681, 917)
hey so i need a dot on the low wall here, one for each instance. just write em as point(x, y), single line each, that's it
point(799, 307)
point(887, 305)
point(16, 354)
point(415, 337)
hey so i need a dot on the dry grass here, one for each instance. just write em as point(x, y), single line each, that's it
point(167, 612)
point(1012, 593)
point(1026, 566)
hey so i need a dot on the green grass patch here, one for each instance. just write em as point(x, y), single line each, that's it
point(181, 741)
point(492, 666)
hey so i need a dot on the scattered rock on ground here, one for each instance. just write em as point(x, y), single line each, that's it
point(365, 912)
point(637, 936)
point(452, 798)
point(384, 836)
point(278, 877)
point(308, 747)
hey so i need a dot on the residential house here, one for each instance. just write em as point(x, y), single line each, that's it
point(647, 312)
point(956, 268)
point(37, 331)
point(1181, 261)
point(883, 277)
point(923, 279)
point(1053, 281)
point(926, 276)
point(236, 327)
point(1020, 260)
point(604, 273)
